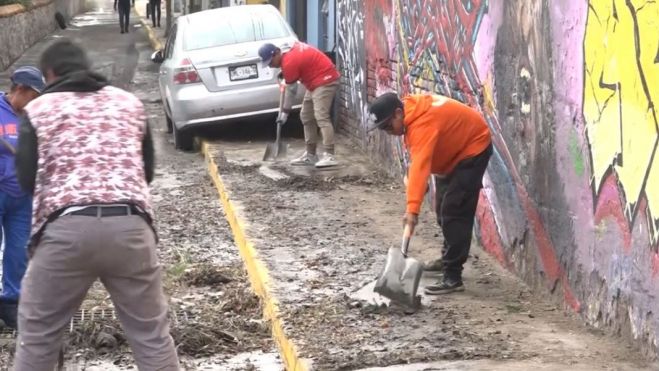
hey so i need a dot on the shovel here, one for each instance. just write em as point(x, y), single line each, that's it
point(277, 150)
point(400, 277)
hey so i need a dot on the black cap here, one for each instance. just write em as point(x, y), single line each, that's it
point(382, 109)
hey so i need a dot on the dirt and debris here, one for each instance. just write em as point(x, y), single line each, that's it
point(324, 239)
point(206, 274)
point(225, 317)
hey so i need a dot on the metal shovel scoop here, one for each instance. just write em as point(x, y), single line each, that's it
point(276, 150)
point(400, 278)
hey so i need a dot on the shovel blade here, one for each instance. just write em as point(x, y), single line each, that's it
point(274, 151)
point(400, 279)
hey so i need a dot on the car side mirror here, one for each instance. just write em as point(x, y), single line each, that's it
point(157, 57)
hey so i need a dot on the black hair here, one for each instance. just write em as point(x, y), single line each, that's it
point(64, 57)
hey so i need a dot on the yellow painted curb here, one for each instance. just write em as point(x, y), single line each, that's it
point(153, 39)
point(256, 269)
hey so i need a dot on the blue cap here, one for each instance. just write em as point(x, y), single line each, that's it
point(266, 52)
point(29, 76)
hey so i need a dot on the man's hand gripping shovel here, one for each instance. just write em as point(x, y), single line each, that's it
point(400, 277)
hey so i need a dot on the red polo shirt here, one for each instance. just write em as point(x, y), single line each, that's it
point(309, 65)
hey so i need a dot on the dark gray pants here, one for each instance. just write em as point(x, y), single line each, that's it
point(155, 12)
point(124, 14)
point(456, 201)
point(73, 252)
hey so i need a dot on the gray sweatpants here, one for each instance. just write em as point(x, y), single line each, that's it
point(73, 252)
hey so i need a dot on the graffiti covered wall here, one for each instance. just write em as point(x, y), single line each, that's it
point(568, 87)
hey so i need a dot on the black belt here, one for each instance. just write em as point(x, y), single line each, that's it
point(101, 211)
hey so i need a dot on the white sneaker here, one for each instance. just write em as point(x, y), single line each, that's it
point(327, 160)
point(305, 160)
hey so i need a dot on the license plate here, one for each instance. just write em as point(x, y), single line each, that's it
point(243, 72)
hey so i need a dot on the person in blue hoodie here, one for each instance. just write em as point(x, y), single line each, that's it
point(15, 205)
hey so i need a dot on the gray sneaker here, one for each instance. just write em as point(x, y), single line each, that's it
point(327, 160)
point(305, 160)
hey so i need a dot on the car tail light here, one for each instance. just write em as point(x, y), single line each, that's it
point(186, 73)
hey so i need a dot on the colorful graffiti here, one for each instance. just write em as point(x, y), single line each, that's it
point(621, 85)
point(350, 15)
point(568, 88)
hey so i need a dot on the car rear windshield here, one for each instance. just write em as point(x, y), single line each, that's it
point(208, 32)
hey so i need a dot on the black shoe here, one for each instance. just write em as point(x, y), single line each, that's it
point(9, 314)
point(445, 286)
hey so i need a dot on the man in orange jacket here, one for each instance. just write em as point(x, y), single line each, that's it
point(447, 138)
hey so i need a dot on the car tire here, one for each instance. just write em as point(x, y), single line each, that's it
point(183, 140)
point(170, 124)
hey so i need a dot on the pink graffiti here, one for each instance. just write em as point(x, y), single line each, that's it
point(609, 204)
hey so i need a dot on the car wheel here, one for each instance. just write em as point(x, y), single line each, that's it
point(170, 124)
point(183, 140)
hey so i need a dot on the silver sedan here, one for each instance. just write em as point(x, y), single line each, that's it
point(210, 70)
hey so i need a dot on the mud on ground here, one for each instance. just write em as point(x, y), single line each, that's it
point(323, 239)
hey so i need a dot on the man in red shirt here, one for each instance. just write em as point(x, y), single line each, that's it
point(446, 138)
point(319, 76)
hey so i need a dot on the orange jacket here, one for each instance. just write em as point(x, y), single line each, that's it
point(439, 133)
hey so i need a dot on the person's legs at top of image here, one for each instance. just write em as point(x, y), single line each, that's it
point(126, 4)
point(152, 11)
point(123, 8)
point(323, 96)
point(16, 222)
point(158, 10)
point(118, 10)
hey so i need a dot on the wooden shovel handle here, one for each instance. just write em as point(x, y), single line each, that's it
point(408, 230)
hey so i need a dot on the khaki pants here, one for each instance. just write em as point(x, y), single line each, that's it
point(73, 252)
point(315, 114)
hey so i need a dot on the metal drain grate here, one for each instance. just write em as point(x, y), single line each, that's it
point(89, 315)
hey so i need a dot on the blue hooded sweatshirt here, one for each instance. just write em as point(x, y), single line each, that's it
point(9, 122)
